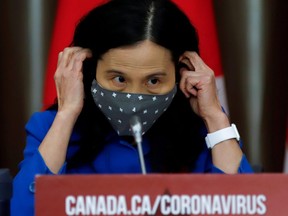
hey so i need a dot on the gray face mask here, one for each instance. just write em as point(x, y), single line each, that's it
point(119, 107)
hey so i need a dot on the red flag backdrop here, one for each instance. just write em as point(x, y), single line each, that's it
point(69, 12)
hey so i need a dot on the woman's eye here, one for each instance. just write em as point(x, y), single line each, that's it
point(119, 79)
point(153, 81)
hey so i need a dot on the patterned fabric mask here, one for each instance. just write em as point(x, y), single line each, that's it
point(119, 107)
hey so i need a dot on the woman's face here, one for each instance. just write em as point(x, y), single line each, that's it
point(145, 68)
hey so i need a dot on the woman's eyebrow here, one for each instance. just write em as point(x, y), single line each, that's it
point(156, 74)
point(153, 74)
point(112, 71)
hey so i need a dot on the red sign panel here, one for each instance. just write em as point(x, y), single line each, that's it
point(209, 194)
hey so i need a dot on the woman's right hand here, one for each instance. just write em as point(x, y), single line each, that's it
point(69, 79)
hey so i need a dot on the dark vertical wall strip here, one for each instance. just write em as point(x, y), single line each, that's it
point(231, 17)
point(276, 86)
point(15, 75)
point(13, 81)
point(232, 23)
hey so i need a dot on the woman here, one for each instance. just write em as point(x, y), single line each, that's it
point(130, 57)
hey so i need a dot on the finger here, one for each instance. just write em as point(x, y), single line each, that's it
point(188, 88)
point(78, 58)
point(184, 85)
point(191, 85)
point(192, 82)
point(66, 55)
point(187, 63)
point(182, 82)
point(194, 60)
point(59, 57)
point(57, 84)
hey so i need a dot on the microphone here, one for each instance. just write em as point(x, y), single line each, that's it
point(136, 128)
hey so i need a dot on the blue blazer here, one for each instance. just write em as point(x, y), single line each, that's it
point(109, 160)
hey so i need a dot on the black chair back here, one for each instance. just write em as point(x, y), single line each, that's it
point(5, 191)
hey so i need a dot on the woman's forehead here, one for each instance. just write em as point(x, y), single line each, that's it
point(144, 54)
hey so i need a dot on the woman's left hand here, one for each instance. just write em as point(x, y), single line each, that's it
point(198, 84)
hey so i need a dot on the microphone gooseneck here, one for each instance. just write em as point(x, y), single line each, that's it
point(136, 128)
